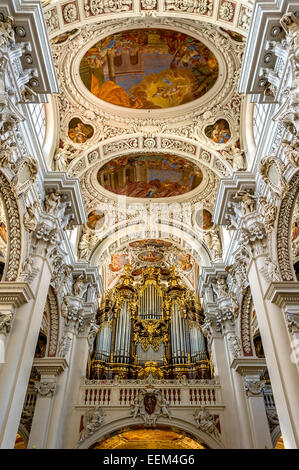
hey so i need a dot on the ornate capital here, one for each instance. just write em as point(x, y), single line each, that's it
point(254, 387)
point(45, 389)
point(6, 319)
point(12, 295)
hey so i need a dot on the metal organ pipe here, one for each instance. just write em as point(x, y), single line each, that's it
point(197, 345)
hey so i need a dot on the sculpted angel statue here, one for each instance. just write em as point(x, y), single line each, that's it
point(206, 422)
point(30, 218)
point(236, 155)
point(247, 201)
point(79, 286)
point(62, 157)
point(52, 201)
point(6, 31)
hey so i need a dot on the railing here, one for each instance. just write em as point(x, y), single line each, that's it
point(30, 399)
point(124, 392)
point(268, 398)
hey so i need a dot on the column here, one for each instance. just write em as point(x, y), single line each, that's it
point(49, 368)
point(79, 331)
point(219, 326)
point(20, 348)
point(45, 256)
point(259, 421)
point(249, 370)
point(275, 336)
point(240, 211)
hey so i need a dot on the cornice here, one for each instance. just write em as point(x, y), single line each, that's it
point(50, 366)
point(248, 366)
point(15, 293)
point(70, 187)
point(30, 27)
point(283, 293)
point(226, 189)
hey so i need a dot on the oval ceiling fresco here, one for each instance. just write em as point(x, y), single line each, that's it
point(149, 69)
point(149, 176)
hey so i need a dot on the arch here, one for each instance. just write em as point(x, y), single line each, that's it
point(195, 151)
point(129, 422)
point(235, 16)
point(163, 231)
point(14, 232)
point(284, 221)
point(146, 434)
point(275, 435)
point(24, 433)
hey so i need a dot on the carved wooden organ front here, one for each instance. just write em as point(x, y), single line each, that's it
point(150, 327)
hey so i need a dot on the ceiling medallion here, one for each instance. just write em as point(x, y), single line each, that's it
point(150, 176)
point(149, 69)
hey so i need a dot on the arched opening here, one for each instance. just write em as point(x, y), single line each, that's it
point(279, 443)
point(20, 443)
point(140, 437)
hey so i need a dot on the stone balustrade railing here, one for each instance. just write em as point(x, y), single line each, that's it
point(123, 392)
point(269, 399)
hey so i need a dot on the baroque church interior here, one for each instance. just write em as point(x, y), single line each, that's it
point(149, 241)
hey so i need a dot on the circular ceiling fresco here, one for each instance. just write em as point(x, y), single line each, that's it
point(149, 176)
point(149, 69)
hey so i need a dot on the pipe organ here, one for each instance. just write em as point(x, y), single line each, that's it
point(152, 326)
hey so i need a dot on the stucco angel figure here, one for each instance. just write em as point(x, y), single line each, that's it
point(61, 157)
point(6, 31)
point(221, 286)
point(247, 201)
point(30, 218)
point(64, 306)
point(93, 419)
point(270, 271)
point(237, 157)
point(164, 406)
point(78, 286)
point(291, 151)
point(6, 154)
point(206, 422)
point(52, 201)
point(213, 241)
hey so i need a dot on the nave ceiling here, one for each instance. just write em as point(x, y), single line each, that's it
point(95, 136)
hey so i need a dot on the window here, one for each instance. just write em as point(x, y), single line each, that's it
point(38, 117)
point(259, 116)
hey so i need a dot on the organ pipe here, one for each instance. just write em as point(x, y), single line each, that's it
point(157, 326)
